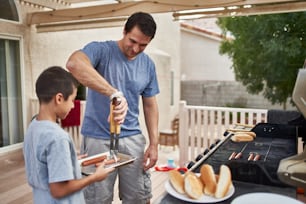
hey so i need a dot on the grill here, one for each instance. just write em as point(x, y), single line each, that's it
point(273, 143)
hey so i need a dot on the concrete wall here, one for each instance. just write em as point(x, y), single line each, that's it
point(223, 94)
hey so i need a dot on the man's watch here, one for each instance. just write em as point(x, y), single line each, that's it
point(116, 94)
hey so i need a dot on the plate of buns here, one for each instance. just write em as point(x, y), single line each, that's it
point(203, 187)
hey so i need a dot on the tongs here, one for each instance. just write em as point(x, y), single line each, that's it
point(114, 130)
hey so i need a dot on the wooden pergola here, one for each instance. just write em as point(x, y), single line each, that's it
point(82, 14)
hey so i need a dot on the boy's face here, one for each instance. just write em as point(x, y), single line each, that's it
point(67, 105)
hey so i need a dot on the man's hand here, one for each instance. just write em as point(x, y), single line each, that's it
point(120, 111)
point(150, 157)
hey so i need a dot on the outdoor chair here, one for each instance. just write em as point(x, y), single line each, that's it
point(170, 137)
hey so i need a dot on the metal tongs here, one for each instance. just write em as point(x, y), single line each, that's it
point(114, 130)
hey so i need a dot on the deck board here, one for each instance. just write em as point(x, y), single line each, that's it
point(14, 188)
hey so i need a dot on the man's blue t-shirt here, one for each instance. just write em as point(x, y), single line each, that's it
point(50, 157)
point(134, 78)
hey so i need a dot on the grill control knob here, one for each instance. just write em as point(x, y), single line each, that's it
point(200, 156)
point(206, 151)
point(190, 164)
point(212, 146)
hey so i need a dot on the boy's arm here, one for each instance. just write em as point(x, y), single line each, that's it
point(64, 188)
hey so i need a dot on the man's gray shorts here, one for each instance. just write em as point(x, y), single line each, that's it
point(134, 183)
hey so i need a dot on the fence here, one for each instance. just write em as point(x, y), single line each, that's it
point(202, 126)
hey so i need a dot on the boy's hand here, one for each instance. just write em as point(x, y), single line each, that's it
point(82, 156)
point(101, 173)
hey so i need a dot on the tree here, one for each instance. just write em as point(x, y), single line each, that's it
point(266, 51)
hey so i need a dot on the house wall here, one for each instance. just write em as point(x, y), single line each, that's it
point(200, 58)
point(41, 50)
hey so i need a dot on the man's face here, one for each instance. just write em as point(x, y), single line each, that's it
point(134, 43)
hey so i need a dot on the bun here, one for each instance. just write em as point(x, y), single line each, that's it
point(224, 181)
point(207, 183)
point(177, 181)
point(193, 186)
point(253, 134)
point(242, 137)
point(209, 179)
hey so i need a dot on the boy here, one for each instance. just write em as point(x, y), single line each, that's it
point(51, 162)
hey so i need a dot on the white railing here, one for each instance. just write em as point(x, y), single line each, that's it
point(201, 126)
point(74, 131)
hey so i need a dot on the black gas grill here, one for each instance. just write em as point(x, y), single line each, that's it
point(273, 143)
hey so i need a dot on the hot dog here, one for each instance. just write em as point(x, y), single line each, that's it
point(108, 162)
point(94, 160)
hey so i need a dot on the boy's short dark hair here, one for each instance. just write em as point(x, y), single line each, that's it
point(144, 21)
point(52, 81)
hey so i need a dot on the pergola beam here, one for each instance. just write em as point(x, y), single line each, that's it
point(128, 7)
point(241, 11)
point(54, 5)
point(75, 25)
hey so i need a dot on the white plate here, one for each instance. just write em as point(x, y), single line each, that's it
point(271, 198)
point(203, 199)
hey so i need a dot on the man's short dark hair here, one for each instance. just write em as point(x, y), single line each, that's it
point(144, 21)
point(52, 81)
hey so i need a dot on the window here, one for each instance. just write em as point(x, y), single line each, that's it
point(11, 115)
point(8, 10)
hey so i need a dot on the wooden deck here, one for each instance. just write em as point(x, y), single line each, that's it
point(15, 190)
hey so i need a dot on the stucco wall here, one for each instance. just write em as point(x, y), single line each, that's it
point(200, 58)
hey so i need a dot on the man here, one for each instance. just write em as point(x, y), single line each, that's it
point(107, 67)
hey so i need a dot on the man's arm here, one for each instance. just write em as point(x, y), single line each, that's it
point(81, 68)
point(151, 115)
